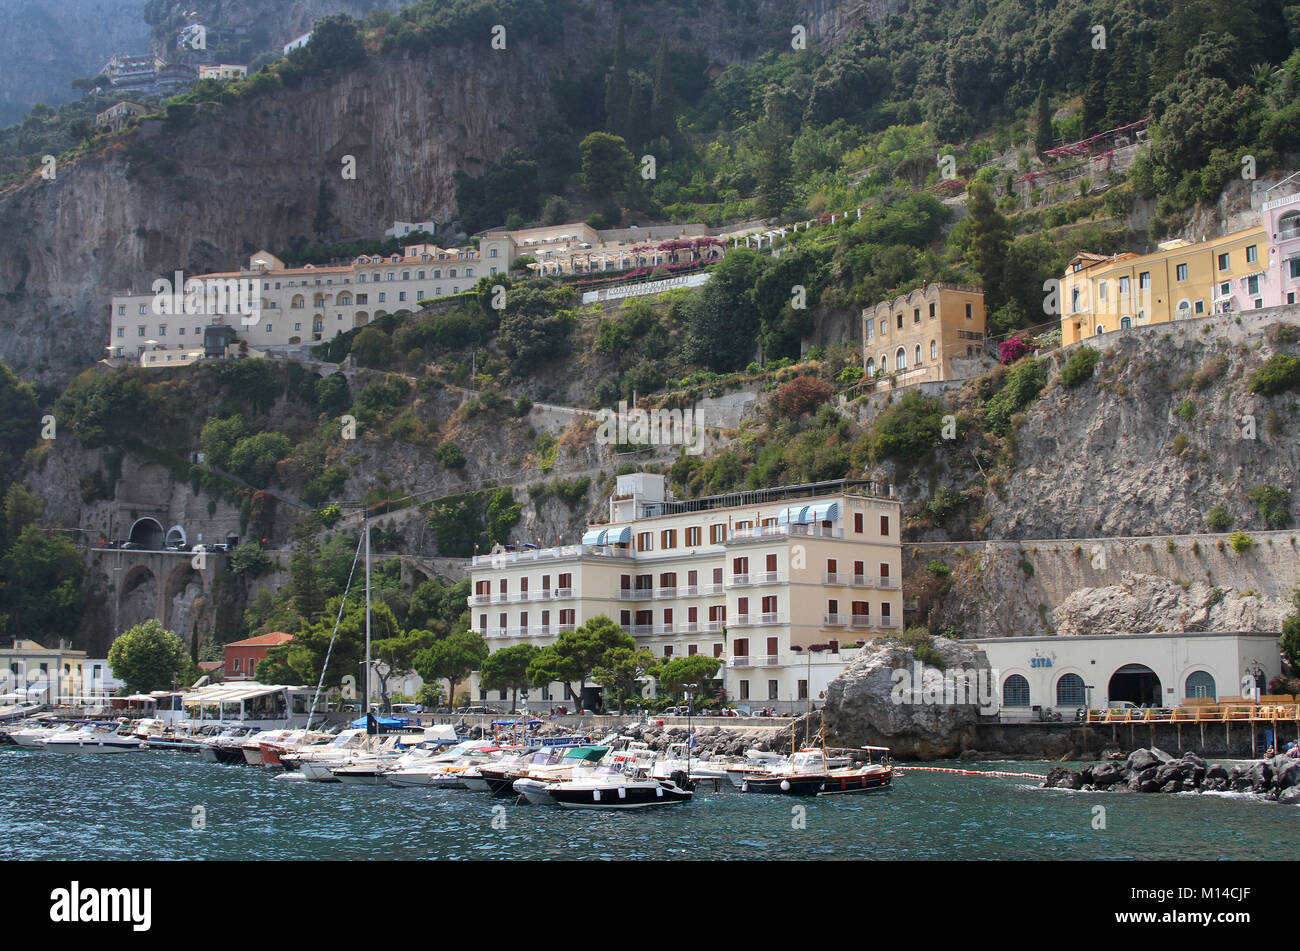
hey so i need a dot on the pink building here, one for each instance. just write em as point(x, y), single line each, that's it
point(1282, 224)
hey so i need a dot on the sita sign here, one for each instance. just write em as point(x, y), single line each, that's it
point(1040, 662)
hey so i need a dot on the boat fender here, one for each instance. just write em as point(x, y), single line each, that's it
point(659, 791)
point(622, 792)
point(785, 785)
point(744, 787)
point(595, 795)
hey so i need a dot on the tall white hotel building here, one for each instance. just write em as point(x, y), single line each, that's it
point(753, 578)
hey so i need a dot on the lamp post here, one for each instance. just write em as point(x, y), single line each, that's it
point(690, 708)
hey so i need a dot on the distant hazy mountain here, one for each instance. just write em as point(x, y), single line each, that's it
point(44, 46)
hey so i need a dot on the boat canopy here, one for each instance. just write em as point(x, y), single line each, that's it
point(386, 723)
point(587, 754)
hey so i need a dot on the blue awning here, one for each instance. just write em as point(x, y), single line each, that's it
point(619, 536)
point(827, 512)
point(595, 537)
point(793, 516)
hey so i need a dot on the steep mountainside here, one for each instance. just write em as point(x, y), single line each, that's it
point(44, 46)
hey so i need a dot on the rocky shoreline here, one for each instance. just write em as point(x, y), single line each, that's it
point(1155, 771)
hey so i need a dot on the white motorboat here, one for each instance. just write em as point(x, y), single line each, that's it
point(33, 737)
point(610, 788)
point(441, 770)
point(756, 761)
point(103, 738)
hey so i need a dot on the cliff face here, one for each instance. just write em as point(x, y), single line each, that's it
point(246, 176)
point(44, 46)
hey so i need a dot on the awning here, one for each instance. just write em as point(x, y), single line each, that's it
point(595, 537)
point(827, 512)
point(792, 516)
point(619, 536)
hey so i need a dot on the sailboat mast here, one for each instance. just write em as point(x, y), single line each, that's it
point(365, 705)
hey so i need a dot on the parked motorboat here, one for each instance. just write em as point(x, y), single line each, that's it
point(226, 747)
point(610, 788)
point(534, 782)
point(442, 770)
point(756, 761)
point(97, 738)
point(874, 775)
point(33, 737)
point(811, 773)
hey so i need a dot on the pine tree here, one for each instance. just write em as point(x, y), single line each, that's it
point(304, 584)
point(1043, 122)
point(617, 93)
point(1126, 85)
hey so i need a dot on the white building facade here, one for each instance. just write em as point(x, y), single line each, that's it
point(1097, 671)
point(779, 584)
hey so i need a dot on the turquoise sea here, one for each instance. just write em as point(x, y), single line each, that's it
point(149, 806)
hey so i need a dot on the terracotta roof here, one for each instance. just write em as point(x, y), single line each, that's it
point(263, 640)
point(208, 666)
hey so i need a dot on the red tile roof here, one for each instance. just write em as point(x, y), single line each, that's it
point(263, 640)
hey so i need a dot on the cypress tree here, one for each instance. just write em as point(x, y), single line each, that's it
point(1043, 122)
point(662, 107)
point(1094, 95)
point(617, 93)
point(991, 238)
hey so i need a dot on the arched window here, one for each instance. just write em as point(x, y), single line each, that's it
point(918, 354)
point(1125, 322)
point(900, 359)
point(1200, 684)
point(1070, 692)
point(884, 363)
point(934, 351)
point(871, 366)
point(1100, 330)
point(1015, 691)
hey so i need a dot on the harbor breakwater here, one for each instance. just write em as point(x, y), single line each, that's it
point(1155, 771)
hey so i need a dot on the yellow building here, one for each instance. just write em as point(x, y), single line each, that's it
point(916, 337)
point(1182, 279)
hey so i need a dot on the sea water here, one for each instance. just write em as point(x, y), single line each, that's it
point(156, 805)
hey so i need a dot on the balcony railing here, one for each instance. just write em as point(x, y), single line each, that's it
point(689, 591)
point(690, 627)
point(860, 620)
point(742, 620)
point(542, 630)
point(888, 622)
point(834, 578)
point(864, 581)
point(663, 628)
point(551, 554)
point(835, 620)
point(888, 582)
point(564, 592)
point(770, 618)
point(713, 627)
point(770, 660)
point(711, 589)
point(475, 600)
point(768, 531)
point(522, 596)
point(740, 662)
point(768, 577)
point(635, 594)
point(544, 594)
point(643, 629)
point(561, 628)
point(739, 580)
point(500, 598)
point(665, 592)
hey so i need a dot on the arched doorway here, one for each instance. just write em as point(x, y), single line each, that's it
point(1136, 683)
point(147, 533)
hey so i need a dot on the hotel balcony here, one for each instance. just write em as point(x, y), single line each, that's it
point(690, 627)
point(834, 578)
point(768, 577)
point(768, 660)
point(689, 591)
point(887, 582)
point(888, 622)
point(739, 580)
point(542, 630)
point(860, 620)
point(771, 531)
point(551, 554)
point(835, 620)
point(544, 594)
point(561, 628)
point(711, 589)
point(642, 629)
point(663, 628)
point(740, 662)
point(665, 592)
point(500, 598)
point(635, 594)
point(756, 620)
point(476, 600)
point(522, 596)
point(564, 592)
point(712, 627)
point(864, 581)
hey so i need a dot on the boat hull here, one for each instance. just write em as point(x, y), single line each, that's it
point(94, 746)
point(617, 798)
point(784, 785)
point(859, 783)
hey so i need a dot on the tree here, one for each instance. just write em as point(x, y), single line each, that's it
point(575, 654)
point(507, 669)
point(803, 394)
point(1043, 121)
point(662, 105)
point(776, 167)
point(1094, 95)
point(395, 657)
point(607, 165)
point(622, 670)
point(305, 592)
point(991, 236)
point(254, 458)
point(147, 657)
point(452, 659)
point(695, 669)
point(40, 584)
point(617, 92)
